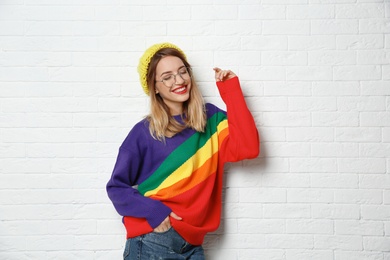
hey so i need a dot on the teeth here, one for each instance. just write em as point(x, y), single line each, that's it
point(179, 89)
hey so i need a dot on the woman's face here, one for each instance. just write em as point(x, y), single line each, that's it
point(173, 83)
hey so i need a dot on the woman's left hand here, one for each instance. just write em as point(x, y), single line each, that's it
point(221, 75)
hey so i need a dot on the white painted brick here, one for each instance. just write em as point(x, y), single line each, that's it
point(337, 180)
point(335, 211)
point(284, 27)
point(261, 226)
point(294, 88)
point(352, 196)
point(309, 226)
point(283, 58)
point(374, 150)
point(334, 150)
point(339, 119)
point(312, 42)
point(361, 104)
point(373, 57)
point(360, 42)
point(373, 25)
point(285, 180)
point(263, 73)
point(360, 135)
point(287, 150)
point(312, 104)
point(374, 181)
point(11, 28)
point(362, 72)
point(338, 242)
point(310, 73)
point(375, 212)
point(310, 12)
point(334, 26)
point(287, 119)
point(262, 195)
point(263, 12)
point(309, 134)
point(303, 165)
point(294, 241)
point(329, 88)
point(201, 12)
point(365, 228)
point(369, 10)
point(373, 119)
point(310, 196)
point(362, 165)
point(376, 243)
point(293, 254)
point(369, 255)
point(254, 254)
point(265, 42)
point(286, 211)
point(318, 58)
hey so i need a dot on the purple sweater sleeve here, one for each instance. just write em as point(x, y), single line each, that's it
point(120, 188)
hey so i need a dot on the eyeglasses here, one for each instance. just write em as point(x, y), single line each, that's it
point(170, 79)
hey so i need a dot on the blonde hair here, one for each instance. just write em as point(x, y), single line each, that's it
point(161, 123)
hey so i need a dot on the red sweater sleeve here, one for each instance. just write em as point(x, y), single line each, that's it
point(243, 141)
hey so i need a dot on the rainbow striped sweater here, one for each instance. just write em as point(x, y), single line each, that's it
point(184, 175)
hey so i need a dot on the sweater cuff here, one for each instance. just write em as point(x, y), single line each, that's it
point(158, 215)
point(230, 85)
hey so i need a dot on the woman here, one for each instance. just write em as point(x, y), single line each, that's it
point(167, 180)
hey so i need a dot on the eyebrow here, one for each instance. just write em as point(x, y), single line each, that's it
point(167, 72)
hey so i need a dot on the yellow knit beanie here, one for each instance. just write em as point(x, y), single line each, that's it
point(144, 62)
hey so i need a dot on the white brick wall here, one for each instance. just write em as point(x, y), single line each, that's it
point(316, 74)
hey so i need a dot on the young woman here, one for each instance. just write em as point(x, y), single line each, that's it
point(167, 180)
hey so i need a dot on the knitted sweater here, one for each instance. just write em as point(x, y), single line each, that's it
point(184, 175)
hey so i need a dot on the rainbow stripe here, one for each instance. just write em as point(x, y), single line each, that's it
point(190, 163)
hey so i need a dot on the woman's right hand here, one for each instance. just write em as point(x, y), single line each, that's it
point(166, 224)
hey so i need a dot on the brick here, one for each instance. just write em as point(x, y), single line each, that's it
point(373, 25)
point(360, 42)
point(297, 254)
point(360, 135)
point(312, 42)
point(310, 73)
point(312, 104)
point(336, 211)
point(309, 134)
point(318, 58)
point(334, 181)
point(264, 12)
point(309, 226)
point(360, 10)
point(362, 196)
point(375, 212)
point(364, 228)
point(310, 12)
point(302, 165)
point(310, 196)
point(286, 211)
point(339, 242)
point(334, 26)
point(286, 27)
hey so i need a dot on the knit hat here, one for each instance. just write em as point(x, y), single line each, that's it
point(144, 62)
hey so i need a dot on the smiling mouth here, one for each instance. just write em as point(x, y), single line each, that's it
point(180, 90)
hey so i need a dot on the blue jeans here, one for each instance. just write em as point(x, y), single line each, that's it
point(161, 246)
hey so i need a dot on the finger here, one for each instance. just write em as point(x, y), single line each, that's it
point(216, 69)
point(173, 215)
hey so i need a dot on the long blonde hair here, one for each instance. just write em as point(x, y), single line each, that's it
point(161, 123)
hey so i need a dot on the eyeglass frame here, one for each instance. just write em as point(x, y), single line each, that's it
point(188, 70)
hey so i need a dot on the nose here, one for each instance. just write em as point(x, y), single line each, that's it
point(178, 79)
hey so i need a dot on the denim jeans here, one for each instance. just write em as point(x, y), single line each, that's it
point(161, 246)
